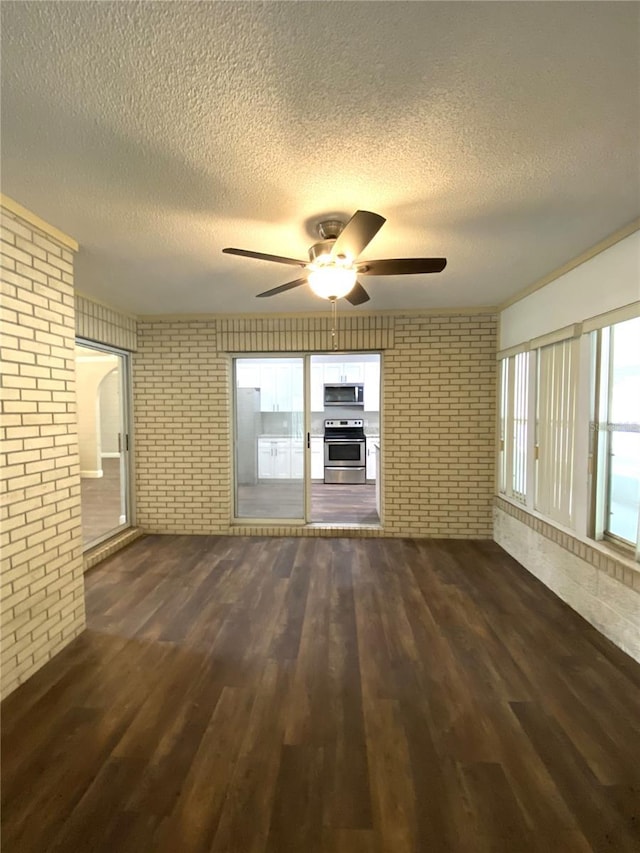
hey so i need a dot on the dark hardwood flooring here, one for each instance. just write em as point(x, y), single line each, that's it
point(324, 696)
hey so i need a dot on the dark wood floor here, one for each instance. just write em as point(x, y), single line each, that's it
point(321, 695)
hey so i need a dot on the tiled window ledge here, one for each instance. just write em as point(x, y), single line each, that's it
point(600, 555)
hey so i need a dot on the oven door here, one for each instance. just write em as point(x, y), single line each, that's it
point(344, 452)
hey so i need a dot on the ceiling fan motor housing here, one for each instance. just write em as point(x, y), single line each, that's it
point(319, 249)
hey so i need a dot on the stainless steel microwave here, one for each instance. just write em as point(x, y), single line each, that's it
point(348, 394)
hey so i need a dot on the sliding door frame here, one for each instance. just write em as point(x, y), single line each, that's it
point(126, 397)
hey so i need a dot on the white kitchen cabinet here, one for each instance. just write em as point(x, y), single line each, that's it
point(296, 379)
point(281, 387)
point(317, 457)
point(340, 372)
point(247, 375)
point(371, 456)
point(372, 387)
point(317, 387)
point(274, 458)
point(353, 371)
point(297, 459)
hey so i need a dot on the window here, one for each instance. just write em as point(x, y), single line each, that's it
point(514, 403)
point(556, 419)
point(569, 425)
point(617, 431)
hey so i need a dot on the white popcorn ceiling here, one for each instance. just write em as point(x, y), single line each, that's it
point(504, 136)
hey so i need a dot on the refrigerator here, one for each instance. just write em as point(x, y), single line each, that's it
point(248, 428)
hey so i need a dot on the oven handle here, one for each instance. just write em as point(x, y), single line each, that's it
point(345, 440)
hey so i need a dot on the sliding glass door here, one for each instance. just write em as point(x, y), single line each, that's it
point(269, 438)
point(103, 437)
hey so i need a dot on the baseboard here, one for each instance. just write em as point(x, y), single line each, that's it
point(115, 455)
point(92, 475)
point(110, 546)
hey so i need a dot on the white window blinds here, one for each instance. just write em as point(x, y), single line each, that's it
point(514, 397)
point(556, 412)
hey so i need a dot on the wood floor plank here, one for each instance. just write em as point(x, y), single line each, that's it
point(266, 695)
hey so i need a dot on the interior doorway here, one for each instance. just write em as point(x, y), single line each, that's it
point(307, 438)
point(103, 438)
point(345, 438)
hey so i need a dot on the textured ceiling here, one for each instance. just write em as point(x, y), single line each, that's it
point(504, 136)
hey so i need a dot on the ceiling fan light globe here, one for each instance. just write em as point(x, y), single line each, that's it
point(331, 282)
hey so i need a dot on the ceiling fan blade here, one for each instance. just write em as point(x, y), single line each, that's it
point(278, 259)
point(357, 233)
point(358, 295)
point(281, 288)
point(402, 266)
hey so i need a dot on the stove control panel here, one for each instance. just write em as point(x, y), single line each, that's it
point(349, 422)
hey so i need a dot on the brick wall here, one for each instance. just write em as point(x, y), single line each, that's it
point(438, 428)
point(42, 584)
point(601, 586)
point(183, 452)
point(104, 325)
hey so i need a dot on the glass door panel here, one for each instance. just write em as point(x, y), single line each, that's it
point(269, 445)
point(103, 438)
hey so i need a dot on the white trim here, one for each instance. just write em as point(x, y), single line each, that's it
point(516, 350)
point(564, 334)
point(92, 475)
point(34, 220)
point(610, 318)
point(602, 246)
point(115, 455)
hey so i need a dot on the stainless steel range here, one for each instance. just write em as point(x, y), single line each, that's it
point(345, 451)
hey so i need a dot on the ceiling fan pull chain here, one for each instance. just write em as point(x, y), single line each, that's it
point(334, 322)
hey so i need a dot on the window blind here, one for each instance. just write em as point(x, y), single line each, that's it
point(556, 413)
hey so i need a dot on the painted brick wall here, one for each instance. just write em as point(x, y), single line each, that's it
point(183, 455)
point(104, 325)
point(42, 583)
point(438, 429)
point(597, 586)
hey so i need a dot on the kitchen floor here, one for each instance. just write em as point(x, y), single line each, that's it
point(101, 501)
point(330, 504)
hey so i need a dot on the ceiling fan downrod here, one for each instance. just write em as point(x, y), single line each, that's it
point(334, 322)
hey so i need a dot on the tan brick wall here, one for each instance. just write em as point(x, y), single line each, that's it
point(105, 325)
point(438, 429)
point(181, 411)
point(42, 584)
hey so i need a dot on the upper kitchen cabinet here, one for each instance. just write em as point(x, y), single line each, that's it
point(339, 373)
point(317, 387)
point(281, 388)
point(247, 374)
point(371, 386)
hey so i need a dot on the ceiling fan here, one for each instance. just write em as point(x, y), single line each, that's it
point(333, 268)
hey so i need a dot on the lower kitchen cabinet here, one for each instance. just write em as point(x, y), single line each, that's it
point(297, 459)
point(274, 458)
